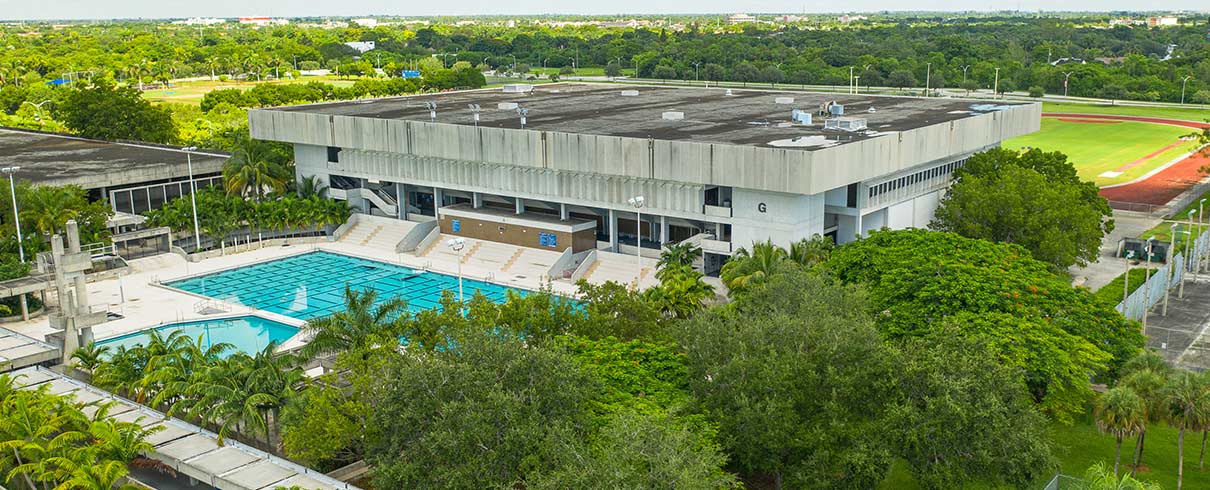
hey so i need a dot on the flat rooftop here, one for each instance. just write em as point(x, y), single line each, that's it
point(57, 159)
point(745, 117)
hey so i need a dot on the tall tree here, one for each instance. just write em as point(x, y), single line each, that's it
point(1033, 199)
point(104, 111)
point(1121, 413)
point(365, 322)
point(252, 170)
point(1187, 403)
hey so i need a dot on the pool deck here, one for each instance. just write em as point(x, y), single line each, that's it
point(144, 302)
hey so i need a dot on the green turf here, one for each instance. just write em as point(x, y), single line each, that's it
point(192, 92)
point(1080, 445)
point(1097, 148)
point(1186, 113)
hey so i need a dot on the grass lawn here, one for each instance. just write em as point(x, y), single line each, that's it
point(1087, 146)
point(192, 92)
point(1081, 445)
point(587, 71)
point(1186, 113)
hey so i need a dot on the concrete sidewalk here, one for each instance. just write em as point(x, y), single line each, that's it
point(1099, 273)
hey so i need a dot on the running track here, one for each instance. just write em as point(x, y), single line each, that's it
point(1163, 186)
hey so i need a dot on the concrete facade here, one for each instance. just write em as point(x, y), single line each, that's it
point(738, 144)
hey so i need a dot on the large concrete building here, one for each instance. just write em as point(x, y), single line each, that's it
point(723, 167)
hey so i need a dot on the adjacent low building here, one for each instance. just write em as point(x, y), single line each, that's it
point(721, 167)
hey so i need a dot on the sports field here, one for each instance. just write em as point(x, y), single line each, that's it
point(1188, 113)
point(192, 92)
point(1108, 152)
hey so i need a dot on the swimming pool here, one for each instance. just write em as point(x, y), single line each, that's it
point(249, 334)
point(311, 285)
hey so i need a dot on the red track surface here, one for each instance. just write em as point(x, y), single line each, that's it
point(1089, 121)
point(1162, 187)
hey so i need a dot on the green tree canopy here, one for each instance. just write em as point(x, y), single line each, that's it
point(1034, 199)
point(920, 281)
point(108, 112)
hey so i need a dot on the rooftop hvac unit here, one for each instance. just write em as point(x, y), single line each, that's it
point(630, 93)
point(845, 124)
point(800, 116)
point(784, 100)
point(836, 109)
point(506, 106)
point(673, 116)
point(518, 88)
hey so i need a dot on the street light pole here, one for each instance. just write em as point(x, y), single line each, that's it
point(1188, 237)
point(1183, 82)
point(1126, 287)
point(964, 68)
point(1147, 281)
point(850, 80)
point(1171, 264)
point(1200, 228)
point(197, 229)
point(638, 202)
point(1065, 77)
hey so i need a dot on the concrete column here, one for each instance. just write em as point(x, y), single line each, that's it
point(73, 246)
point(476, 200)
point(520, 204)
point(401, 208)
point(663, 229)
point(438, 197)
point(563, 215)
point(613, 231)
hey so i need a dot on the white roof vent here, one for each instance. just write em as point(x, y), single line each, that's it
point(673, 116)
point(845, 124)
point(518, 88)
point(506, 106)
point(784, 100)
point(729, 93)
point(630, 93)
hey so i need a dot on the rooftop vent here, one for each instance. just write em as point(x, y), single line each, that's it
point(836, 109)
point(673, 116)
point(630, 93)
point(800, 116)
point(518, 88)
point(506, 106)
point(784, 100)
point(845, 124)
point(729, 93)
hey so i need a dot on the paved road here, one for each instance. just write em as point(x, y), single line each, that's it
point(1101, 272)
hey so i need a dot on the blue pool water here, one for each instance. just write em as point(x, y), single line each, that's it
point(311, 285)
point(249, 334)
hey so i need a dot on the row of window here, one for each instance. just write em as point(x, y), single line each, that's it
point(921, 176)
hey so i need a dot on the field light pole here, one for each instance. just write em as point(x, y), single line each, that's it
point(1183, 82)
point(1147, 281)
point(457, 244)
point(1171, 259)
point(928, 78)
point(1199, 226)
point(1188, 237)
point(996, 87)
point(12, 187)
point(1126, 287)
point(637, 202)
point(1065, 77)
point(197, 229)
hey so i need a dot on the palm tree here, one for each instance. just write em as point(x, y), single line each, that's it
point(90, 356)
point(98, 476)
point(48, 208)
point(1097, 477)
point(682, 254)
point(748, 268)
point(1188, 406)
point(1145, 373)
point(810, 252)
point(312, 186)
point(360, 324)
point(251, 170)
point(1121, 413)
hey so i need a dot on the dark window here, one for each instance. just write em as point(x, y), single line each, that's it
point(851, 197)
point(333, 154)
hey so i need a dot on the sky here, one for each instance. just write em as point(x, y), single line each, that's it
point(109, 9)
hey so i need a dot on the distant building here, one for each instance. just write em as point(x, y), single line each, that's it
point(371, 23)
point(1065, 61)
point(1165, 21)
point(1124, 21)
point(845, 19)
point(201, 21)
point(790, 18)
point(740, 19)
point(361, 46)
point(262, 21)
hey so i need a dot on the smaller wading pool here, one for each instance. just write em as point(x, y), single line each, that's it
point(249, 334)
